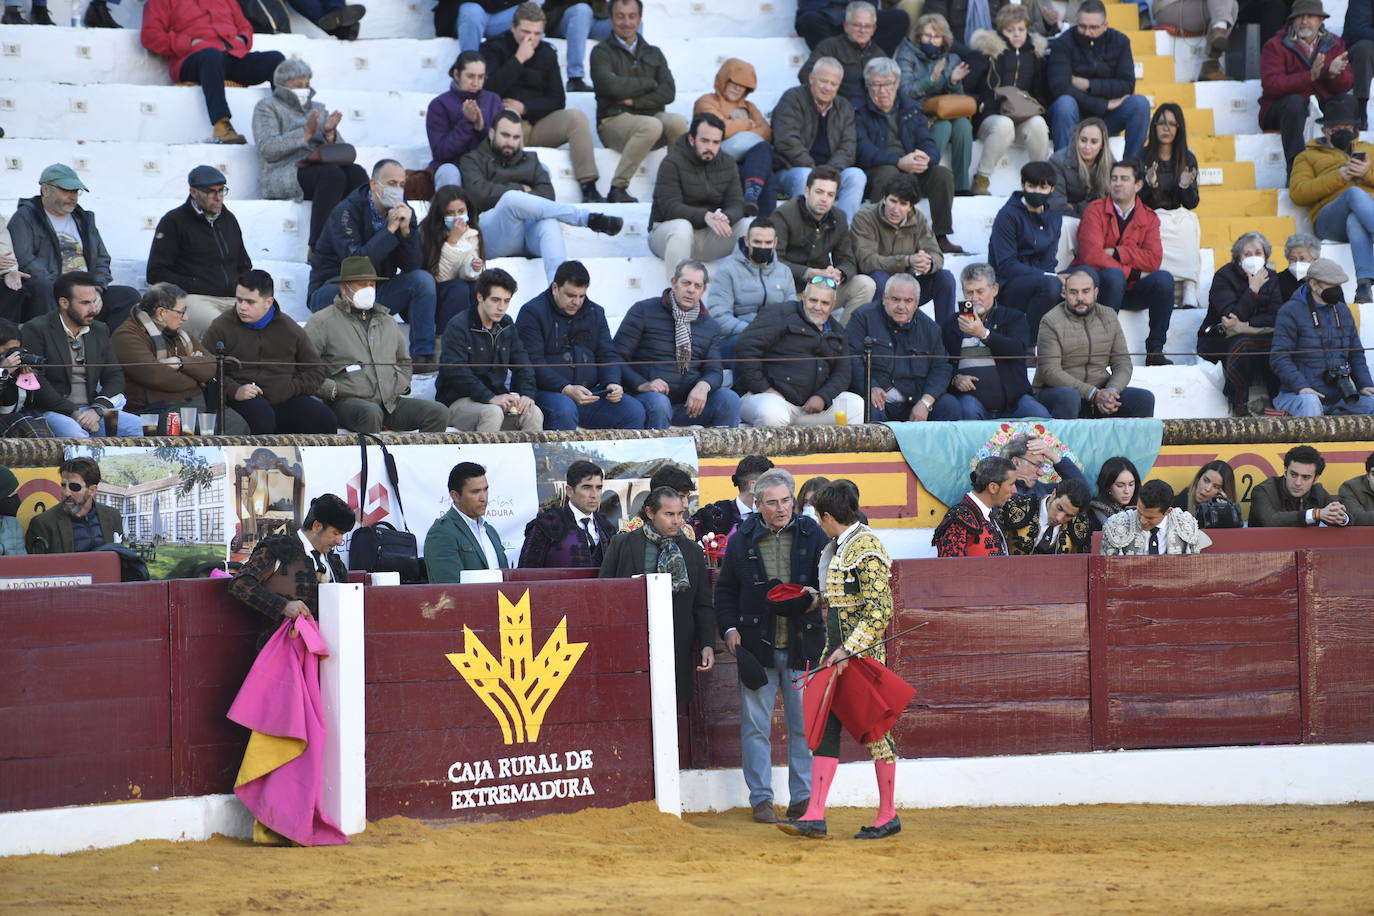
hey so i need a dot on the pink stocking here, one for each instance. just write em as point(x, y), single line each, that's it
point(887, 791)
point(822, 775)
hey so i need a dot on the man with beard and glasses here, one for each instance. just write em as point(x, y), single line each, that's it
point(1301, 61)
point(77, 524)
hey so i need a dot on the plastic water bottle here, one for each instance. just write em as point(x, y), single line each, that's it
point(76, 14)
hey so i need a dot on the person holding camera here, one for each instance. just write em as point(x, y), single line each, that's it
point(1317, 353)
point(24, 395)
point(1211, 497)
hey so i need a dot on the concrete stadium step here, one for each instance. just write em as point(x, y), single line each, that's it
point(1234, 105)
point(1218, 232)
point(1223, 148)
point(1266, 152)
point(1123, 17)
point(1181, 94)
point(1154, 69)
point(1231, 175)
point(1226, 203)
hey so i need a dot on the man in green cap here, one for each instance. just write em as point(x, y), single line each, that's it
point(367, 361)
point(54, 235)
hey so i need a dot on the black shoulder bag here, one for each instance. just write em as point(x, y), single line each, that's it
point(381, 547)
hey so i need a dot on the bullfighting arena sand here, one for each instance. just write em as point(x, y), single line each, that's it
point(1104, 859)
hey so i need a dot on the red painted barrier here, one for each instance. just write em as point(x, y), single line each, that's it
point(58, 570)
point(518, 574)
point(1254, 540)
point(1336, 589)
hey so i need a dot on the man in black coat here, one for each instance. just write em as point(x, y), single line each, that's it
point(987, 349)
point(910, 368)
point(486, 378)
point(1091, 74)
point(775, 545)
point(575, 534)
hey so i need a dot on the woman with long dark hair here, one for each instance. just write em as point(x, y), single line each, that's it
point(1214, 480)
point(1171, 175)
point(1117, 485)
point(452, 249)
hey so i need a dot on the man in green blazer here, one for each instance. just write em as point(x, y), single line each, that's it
point(78, 523)
point(459, 539)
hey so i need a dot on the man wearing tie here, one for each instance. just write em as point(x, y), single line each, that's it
point(283, 576)
point(459, 539)
point(970, 527)
point(1050, 524)
point(574, 534)
point(1153, 527)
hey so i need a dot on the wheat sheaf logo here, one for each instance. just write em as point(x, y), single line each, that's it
point(519, 687)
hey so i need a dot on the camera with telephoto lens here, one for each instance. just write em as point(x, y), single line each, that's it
point(1340, 377)
point(26, 357)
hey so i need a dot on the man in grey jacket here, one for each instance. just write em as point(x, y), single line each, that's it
point(53, 235)
point(698, 207)
point(814, 126)
point(749, 279)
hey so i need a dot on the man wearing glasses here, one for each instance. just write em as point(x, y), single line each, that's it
point(1092, 74)
point(199, 247)
point(81, 362)
point(77, 524)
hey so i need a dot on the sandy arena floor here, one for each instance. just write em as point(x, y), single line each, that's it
point(1114, 859)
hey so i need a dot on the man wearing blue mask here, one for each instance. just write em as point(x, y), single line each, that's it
point(375, 222)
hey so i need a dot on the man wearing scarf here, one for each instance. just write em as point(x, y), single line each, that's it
point(1302, 60)
point(659, 546)
point(672, 348)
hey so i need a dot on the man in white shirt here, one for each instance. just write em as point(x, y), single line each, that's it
point(459, 539)
point(575, 534)
point(970, 528)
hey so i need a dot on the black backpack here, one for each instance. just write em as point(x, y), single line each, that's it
point(131, 565)
point(267, 17)
point(381, 547)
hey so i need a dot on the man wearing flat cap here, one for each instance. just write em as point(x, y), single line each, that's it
point(1316, 351)
point(1299, 62)
point(53, 235)
point(770, 547)
point(367, 359)
point(199, 247)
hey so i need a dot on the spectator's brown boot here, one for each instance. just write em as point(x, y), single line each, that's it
point(225, 133)
point(1156, 358)
point(981, 186)
point(1218, 40)
point(1211, 70)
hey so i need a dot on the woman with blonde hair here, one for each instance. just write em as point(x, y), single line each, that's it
point(930, 67)
point(1014, 58)
point(1083, 174)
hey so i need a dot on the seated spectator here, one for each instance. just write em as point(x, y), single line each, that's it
point(814, 241)
point(1013, 58)
point(11, 529)
point(199, 247)
point(1118, 482)
point(81, 364)
point(854, 47)
point(970, 527)
point(522, 69)
point(698, 209)
point(1024, 246)
point(1299, 62)
point(1300, 250)
point(1171, 190)
point(451, 245)
point(77, 524)
point(1331, 178)
point(1082, 169)
point(512, 190)
point(888, 122)
point(751, 278)
point(671, 348)
point(17, 300)
point(988, 347)
point(175, 28)
point(1356, 495)
point(578, 21)
point(165, 367)
point(1083, 368)
point(1211, 497)
point(1358, 35)
point(724, 515)
point(1119, 238)
point(675, 478)
point(1029, 455)
point(1296, 500)
point(965, 20)
point(804, 379)
point(376, 223)
point(1056, 523)
point(1317, 353)
point(366, 363)
point(931, 67)
point(274, 375)
point(818, 20)
point(576, 365)
point(573, 535)
point(1153, 527)
point(633, 87)
point(892, 237)
point(747, 134)
point(1091, 73)
point(1215, 18)
point(25, 396)
point(462, 539)
point(294, 133)
point(53, 234)
point(486, 378)
point(458, 120)
point(900, 366)
point(814, 126)
point(1239, 327)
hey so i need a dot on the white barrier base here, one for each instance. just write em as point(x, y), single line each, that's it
point(1316, 774)
point(56, 831)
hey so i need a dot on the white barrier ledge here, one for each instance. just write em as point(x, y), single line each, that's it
point(56, 831)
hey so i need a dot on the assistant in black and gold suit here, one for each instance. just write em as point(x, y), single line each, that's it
point(1054, 524)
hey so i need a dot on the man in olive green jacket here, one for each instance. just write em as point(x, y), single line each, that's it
point(368, 363)
point(892, 237)
point(1357, 495)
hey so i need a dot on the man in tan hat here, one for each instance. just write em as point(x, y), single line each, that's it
point(1317, 353)
point(367, 360)
point(1301, 61)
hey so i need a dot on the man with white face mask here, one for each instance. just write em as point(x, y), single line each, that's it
point(376, 223)
point(367, 362)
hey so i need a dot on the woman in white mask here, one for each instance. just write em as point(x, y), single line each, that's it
point(1299, 251)
point(1239, 326)
point(302, 152)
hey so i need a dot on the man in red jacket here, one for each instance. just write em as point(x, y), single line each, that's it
point(1119, 237)
point(208, 42)
point(1301, 61)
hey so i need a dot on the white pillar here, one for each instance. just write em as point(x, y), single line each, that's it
point(663, 693)
point(342, 692)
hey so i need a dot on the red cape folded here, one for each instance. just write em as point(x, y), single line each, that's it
point(867, 698)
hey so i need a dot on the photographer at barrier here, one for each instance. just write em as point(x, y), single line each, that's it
point(1211, 497)
point(1317, 353)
